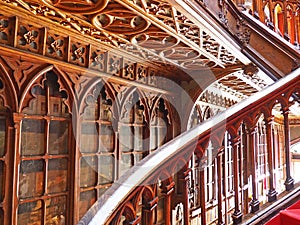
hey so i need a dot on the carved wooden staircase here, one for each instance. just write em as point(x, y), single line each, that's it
point(161, 188)
point(168, 168)
point(261, 45)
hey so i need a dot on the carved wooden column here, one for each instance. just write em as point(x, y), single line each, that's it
point(167, 190)
point(257, 9)
point(16, 159)
point(237, 215)
point(289, 182)
point(295, 28)
point(285, 22)
point(245, 167)
point(271, 22)
point(202, 198)
point(272, 194)
point(220, 188)
point(183, 191)
point(254, 204)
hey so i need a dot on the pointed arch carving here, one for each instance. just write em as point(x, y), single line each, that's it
point(127, 102)
point(251, 120)
point(92, 90)
point(8, 89)
point(38, 79)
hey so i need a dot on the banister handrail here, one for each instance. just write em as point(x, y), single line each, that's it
point(250, 35)
point(104, 208)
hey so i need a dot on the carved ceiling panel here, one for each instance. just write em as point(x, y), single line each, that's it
point(152, 30)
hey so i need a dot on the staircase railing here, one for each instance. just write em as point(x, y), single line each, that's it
point(259, 43)
point(158, 189)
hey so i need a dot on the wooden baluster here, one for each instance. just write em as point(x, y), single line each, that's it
point(289, 182)
point(257, 8)
point(237, 215)
point(254, 204)
point(16, 159)
point(147, 214)
point(295, 29)
point(272, 194)
point(167, 190)
point(245, 175)
point(220, 188)
point(271, 22)
point(202, 198)
point(183, 190)
point(285, 22)
point(186, 211)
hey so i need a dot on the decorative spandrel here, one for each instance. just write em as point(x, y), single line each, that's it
point(30, 213)
point(32, 137)
point(32, 177)
point(57, 175)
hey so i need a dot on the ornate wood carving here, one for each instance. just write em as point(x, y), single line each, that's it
point(151, 30)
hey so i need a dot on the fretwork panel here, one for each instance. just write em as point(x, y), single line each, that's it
point(44, 157)
point(97, 148)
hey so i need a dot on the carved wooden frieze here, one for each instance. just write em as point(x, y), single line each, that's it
point(152, 30)
point(43, 41)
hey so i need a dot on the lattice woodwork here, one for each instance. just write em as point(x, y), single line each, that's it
point(151, 30)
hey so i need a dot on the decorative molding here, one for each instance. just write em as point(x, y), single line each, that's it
point(150, 30)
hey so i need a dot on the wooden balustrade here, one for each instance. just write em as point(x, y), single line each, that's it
point(256, 41)
point(177, 182)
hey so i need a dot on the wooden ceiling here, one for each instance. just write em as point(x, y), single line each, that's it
point(151, 31)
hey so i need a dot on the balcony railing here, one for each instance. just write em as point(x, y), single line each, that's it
point(164, 187)
point(261, 45)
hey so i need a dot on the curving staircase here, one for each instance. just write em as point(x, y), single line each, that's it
point(161, 189)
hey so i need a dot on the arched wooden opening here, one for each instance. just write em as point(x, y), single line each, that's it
point(44, 152)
